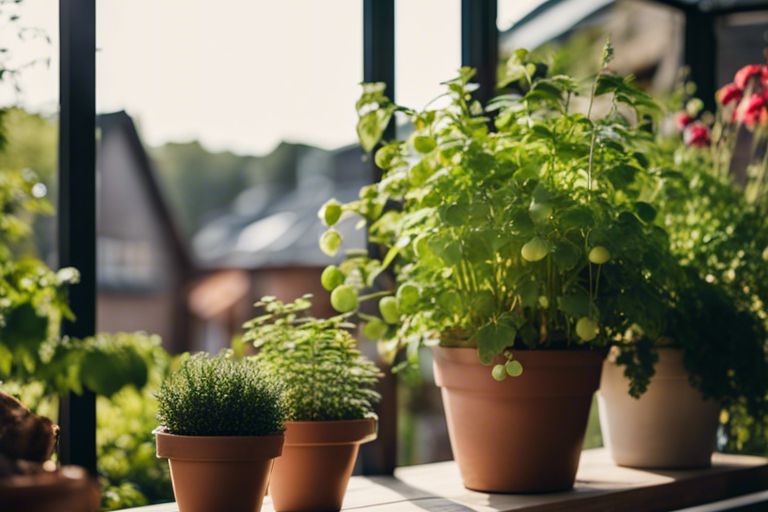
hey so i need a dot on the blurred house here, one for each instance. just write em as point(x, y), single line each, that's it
point(143, 264)
point(270, 239)
point(647, 37)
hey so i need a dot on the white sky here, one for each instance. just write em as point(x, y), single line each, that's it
point(245, 74)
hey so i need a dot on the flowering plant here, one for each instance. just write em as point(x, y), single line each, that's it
point(713, 206)
point(742, 115)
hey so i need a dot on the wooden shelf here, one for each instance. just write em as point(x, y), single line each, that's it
point(600, 486)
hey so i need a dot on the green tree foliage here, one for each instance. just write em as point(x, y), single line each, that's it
point(132, 475)
point(324, 376)
point(220, 396)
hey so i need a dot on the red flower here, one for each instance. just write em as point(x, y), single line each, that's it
point(754, 110)
point(682, 119)
point(729, 93)
point(742, 76)
point(696, 134)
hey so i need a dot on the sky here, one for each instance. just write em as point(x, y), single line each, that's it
point(242, 75)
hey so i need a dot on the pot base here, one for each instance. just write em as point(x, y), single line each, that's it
point(317, 462)
point(523, 435)
point(669, 427)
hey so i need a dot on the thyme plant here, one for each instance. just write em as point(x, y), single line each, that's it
point(220, 396)
point(324, 375)
point(537, 234)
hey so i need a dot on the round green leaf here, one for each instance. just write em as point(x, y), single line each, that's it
point(330, 242)
point(344, 298)
point(330, 212)
point(499, 373)
point(331, 277)
point(514, 368)
point(389, 310)
point(535, 250)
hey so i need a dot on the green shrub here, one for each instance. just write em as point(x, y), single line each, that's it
point(324, 376)
point(220, 396)
point(131, 474)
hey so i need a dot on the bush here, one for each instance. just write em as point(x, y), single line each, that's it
point(220, 396)
point(131, 474)
point(325, 377)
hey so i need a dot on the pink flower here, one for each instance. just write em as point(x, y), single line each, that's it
point(754, 110)
point(729, 93)
point(682, 119)
point(696, 134)
point(742, 76)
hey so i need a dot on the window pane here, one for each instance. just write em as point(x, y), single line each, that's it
point(428, 48)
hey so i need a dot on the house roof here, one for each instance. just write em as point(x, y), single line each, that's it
point(284, 232)
point(123, 122)
point(554, 19)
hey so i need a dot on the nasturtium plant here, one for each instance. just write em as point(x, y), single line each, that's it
point(527, 224)
point(324, 376)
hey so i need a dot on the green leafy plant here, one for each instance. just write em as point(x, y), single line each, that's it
point(713, 208)
point(220, 396)
point(537, 234)
point(324, 375)
point(131, 474)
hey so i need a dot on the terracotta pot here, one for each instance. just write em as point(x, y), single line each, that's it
point(522, 435)
point(219, 473)
point(69, 489)
point(317, 461)
point(670, 426)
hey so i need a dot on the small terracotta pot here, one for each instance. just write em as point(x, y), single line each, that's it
point(522, 435)
point(219, 473)
point(68, 489)
point(669, 426)
point(317, 461)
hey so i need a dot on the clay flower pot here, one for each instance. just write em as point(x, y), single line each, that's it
point(522, 435)
point(317, 461)
point(68, 489)
point(217, 472)
point(670, 426)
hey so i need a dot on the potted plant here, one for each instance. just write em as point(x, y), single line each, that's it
point(519, 252)
point(327, 388)
point(221, 428)
point(713, 354)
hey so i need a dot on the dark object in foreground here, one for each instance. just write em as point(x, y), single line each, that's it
point(29, 480)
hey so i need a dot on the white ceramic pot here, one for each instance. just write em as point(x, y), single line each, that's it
point(670, 426)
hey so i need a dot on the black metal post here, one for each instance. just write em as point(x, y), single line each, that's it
point(380, 456)
point(480, 43)
point(77, 208)
point(700, 54)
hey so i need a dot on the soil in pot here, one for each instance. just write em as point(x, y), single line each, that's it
point(670, 426)
point(317, 461)
point(219, 473)
point(522, 435)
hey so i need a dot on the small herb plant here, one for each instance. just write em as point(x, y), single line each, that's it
point(220, 396)
point(324, 376)
point(536, 234)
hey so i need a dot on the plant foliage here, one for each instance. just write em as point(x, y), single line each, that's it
point(220, 396)
point(324, 375)
point(538, 233)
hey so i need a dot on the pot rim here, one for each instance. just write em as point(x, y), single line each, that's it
point(330, 433)
point(217, 448)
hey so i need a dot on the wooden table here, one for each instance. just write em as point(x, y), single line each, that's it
point(600, 486)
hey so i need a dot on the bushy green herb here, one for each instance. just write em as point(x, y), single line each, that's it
point(324, 376)
point(538, 234)
point(220, 396)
